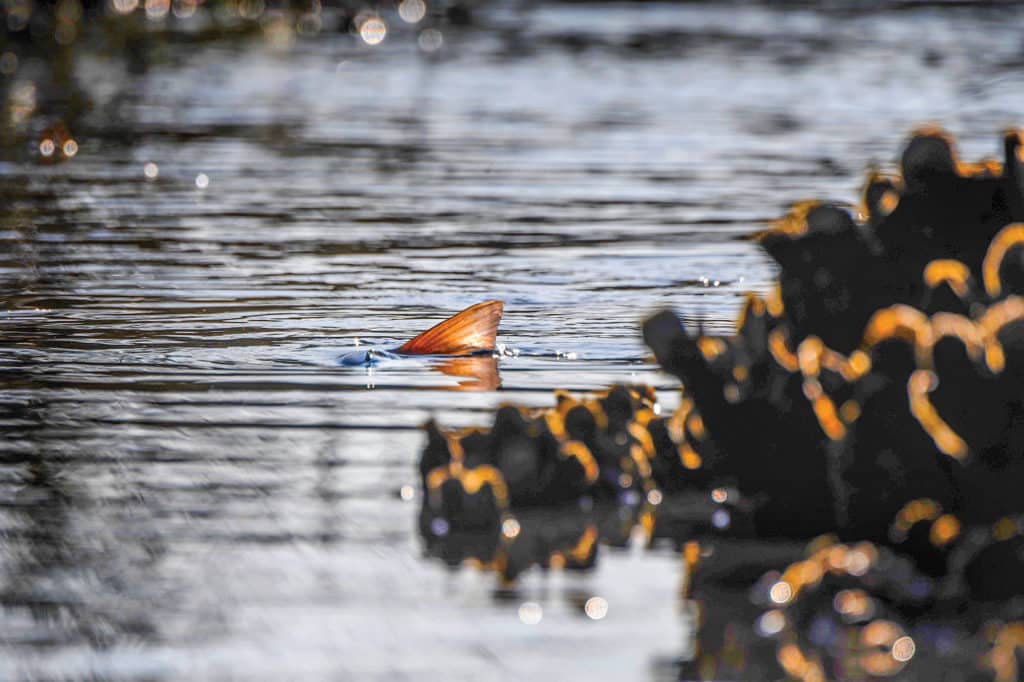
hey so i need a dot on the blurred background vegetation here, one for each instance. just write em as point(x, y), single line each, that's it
point(46, 108)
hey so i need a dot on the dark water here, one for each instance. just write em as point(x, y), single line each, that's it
point(192, 487)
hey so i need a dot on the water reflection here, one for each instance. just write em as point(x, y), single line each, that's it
point(757, 609)
point(68, 578)
point(475, 373)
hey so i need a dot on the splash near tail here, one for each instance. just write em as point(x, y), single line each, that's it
point(471, 331)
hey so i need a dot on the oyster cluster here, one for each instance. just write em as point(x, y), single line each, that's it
point(887, 365)
point(866, 421)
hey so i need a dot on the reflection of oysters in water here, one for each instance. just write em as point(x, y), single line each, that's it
point(564, 538)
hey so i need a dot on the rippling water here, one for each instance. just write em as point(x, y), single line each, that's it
point(190, 484)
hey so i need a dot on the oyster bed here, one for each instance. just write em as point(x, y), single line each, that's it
point(842, 477)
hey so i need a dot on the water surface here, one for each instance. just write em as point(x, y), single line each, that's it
point(190, 484)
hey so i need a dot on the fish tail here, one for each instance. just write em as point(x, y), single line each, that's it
point(471, 331)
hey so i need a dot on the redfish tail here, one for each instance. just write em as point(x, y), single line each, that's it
point(471, 331)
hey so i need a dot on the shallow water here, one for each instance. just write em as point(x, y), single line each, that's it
point(190, 484)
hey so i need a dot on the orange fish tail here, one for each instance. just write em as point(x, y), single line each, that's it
point(472, 331)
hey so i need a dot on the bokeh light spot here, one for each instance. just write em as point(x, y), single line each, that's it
point(157, 9)
point(596, 608)
point(771, 623)
point(903, 649)
point(781, 592)
point(373, 31)
point(858, 562)
point(510, 528)
point(530, 613)
point(412, 11)
point(430, 40)
point(151, 171)
point(439, 527)
point(183, 9)
point(854, 605)
point(124, 6)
